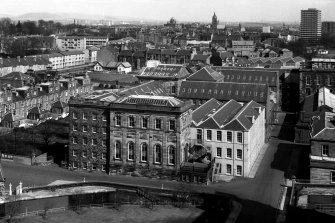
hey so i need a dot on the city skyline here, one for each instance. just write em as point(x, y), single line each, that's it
point(197, 10)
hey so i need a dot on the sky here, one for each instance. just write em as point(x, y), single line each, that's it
point(182, 10)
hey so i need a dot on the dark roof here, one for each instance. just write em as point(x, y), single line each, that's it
point(200, 57)
point(323, 126)
point(205, 74)
point(247, 75)
point(72, 52)
point(8, 117)
point(59, 104)
point(230, 116)
point(154, 51)
point(202, 111)
point(168, 52)
point(225, 55)
point(147, 88)
point(35, 110)
point(219, 37)
point(139, 54)
point(108, 77)
point(165, 71)
point(184, 53)
point(16, 76)
point(151, 100)
point(240, 92)
point(127, 53)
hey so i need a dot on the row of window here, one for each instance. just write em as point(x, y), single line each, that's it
point(218, 169)
point(229, 136)
point(94, 116)
point(318, 80)
point(85, 166)
point(229, 153)
point(229, 92)
point(94, 142)
point(145, 122)
point(94, 129)
point(94, 154)
point(144, 150)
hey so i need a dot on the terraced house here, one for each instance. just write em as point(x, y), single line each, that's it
point(32, 103)
point(134, 131)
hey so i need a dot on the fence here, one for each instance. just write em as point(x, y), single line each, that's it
point(103, 205)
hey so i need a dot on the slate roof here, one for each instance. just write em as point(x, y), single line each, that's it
point(200, 57)
point(147, 88)
point(72, 52)
point(229, 116)
point(205, 74)
point(109, 78)
point(165, 71)
point(184, 52)
point(205, 109)
point(169, 52)
point(247, 75)
point(59, 104)
point(240, 92)
point(165, 101)
point(126, 53)
point(17, 76)
point(225, 55)
point(323, 126)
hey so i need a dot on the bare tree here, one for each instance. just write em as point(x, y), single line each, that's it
point(46, 133)
point(12, 207)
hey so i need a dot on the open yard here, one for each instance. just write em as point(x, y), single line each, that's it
point(126, 214)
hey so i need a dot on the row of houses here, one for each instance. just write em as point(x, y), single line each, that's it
point(42, 62)
point(32, 102)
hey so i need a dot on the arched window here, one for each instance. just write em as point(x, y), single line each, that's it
point(144, 152)
point(171, 155)
point(158, 153)
point(131, 151)
point(118, 150)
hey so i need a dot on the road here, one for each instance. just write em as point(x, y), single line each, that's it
point(260, 193)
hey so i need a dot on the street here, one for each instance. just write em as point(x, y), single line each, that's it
point(258, 194)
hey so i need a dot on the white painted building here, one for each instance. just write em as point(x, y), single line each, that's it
point(233, 133)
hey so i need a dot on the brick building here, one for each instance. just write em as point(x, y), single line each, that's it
point(312, 80)
point(136, 131)
point(322, 157)
point(37, 101)
point(312, 106)
point(171, 76)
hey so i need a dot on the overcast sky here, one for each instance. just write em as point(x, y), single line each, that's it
point(182, 10)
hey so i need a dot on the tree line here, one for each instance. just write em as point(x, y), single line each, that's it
point(40, 27)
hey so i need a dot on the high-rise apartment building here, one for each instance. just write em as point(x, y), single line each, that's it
point(310, 25)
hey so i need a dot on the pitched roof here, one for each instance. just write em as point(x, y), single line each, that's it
point(205, 74)
point(165, 101)
point(230, 116)
point(168, 52)
point(323, 126)
point(127, 53)
point(59, 104)
point(17, 76)
point(249, 75)
point(165, 71)
point(72, 52)
point(147, 88)
point(200, 57)
point(240, 92)
point(205, 109)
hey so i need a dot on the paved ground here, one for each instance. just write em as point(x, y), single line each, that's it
point(260, 196)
